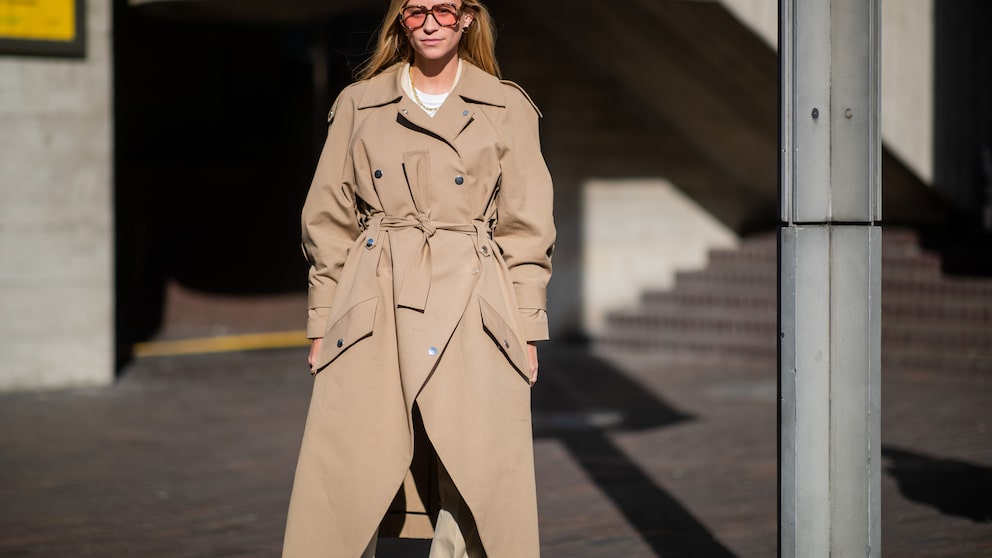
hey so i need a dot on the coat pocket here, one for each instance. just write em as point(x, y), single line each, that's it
point(505, 338)
point(356, 324)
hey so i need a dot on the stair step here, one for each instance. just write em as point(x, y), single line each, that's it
point(769, 254)
point(755, 328)
point(980, 292)
point(975, 291)
point(681, 298)
point(931, 312)
point(900, 251)
point(935, 310)
point(924, 335)
point(973, 361)
point(928, 265)
point(692, 351)
point(727, 312)
point(895, 305)
point(739, 356)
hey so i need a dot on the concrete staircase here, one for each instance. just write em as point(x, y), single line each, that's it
point(726, 313)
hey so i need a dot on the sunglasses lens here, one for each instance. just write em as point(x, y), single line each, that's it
point(445, 15)
point(415, 16)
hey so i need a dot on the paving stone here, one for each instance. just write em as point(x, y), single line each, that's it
point(193, 457)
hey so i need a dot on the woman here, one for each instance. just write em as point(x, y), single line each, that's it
point(429, 232)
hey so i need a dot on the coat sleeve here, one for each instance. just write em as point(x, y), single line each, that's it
point(329, 218)
point(525, 230)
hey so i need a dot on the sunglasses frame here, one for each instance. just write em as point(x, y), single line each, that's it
point(429, 12)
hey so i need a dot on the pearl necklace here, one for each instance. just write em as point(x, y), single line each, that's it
point(416, 97)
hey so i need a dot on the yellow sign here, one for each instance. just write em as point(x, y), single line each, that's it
point(38, 20)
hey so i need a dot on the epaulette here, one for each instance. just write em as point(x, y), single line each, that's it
point(330, 113)
point(526, 96)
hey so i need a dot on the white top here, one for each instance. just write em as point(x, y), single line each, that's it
point(430, 103)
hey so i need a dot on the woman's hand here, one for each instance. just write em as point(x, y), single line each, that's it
point(532, 361)
point(315, 350)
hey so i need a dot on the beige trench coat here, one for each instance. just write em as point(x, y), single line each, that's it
point(430, 246)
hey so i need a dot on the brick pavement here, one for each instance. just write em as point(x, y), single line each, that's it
point(193, 457)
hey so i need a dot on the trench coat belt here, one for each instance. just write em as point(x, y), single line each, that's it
point(417, 278)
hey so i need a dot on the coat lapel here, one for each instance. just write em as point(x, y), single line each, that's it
point(475, 87)
point(454, 116)
point(410, 115)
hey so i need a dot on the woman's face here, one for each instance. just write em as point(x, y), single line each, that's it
point(434, 27)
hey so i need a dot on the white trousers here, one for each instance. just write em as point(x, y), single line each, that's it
point(455, 532)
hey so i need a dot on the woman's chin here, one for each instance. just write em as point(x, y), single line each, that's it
point(435, 51)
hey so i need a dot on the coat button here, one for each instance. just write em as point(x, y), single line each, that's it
point(459, 180)
point(340, 343)
point(484, 250)
point(432, 351)
point(506, 343)
point(370, 242)
point(378, 173)
point(464, 113)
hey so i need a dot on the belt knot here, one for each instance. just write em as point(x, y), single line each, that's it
point(425, 224)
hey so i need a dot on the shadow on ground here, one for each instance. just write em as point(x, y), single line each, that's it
point(953, 487)
point(580, 404)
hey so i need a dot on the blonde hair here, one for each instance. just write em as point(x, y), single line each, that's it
point(477, 45)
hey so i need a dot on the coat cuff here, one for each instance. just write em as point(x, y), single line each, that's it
point(534, 324)
point(317, 321)
point(531, 297)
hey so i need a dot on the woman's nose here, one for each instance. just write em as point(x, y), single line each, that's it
point(430, 24)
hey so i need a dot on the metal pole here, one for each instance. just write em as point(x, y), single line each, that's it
point(830, 283)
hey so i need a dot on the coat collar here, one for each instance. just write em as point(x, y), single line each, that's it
point(474, 86)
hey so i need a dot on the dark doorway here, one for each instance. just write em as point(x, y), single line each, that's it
point(217, 129)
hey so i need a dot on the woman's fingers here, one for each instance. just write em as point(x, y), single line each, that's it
point(532, 361)
point(314, 351)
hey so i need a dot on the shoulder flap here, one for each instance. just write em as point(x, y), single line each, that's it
point(353, 90)
point(526, 96)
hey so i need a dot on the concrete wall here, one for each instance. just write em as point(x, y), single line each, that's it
point(637, 234)
point(908, 83)
point(56, 230)
point(760, 15)
point(907, 73)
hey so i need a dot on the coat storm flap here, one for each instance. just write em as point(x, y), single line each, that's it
point(430, 245)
